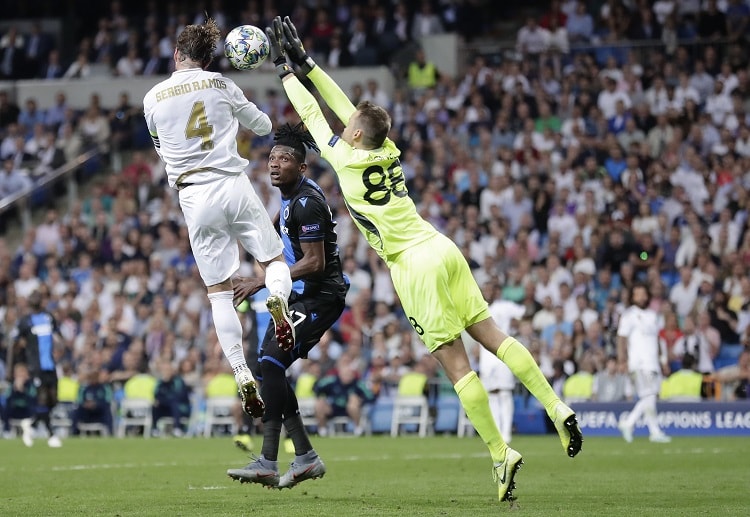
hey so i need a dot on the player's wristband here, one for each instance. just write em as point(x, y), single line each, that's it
point(307, 65)
point(282, 67)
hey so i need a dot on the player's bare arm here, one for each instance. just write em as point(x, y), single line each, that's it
point(313, 262)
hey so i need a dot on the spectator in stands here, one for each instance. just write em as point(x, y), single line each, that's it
point(737, 376)
point(94, 404)
point(38, 45)
point(341, 393)
point(94, 130)
point(580, 24)
point(611, 384)
point(79, 69)
point(425, 22)
point(532, 40)
point(8, 111)
point(129, 65)
point(685, 384)
point(12, 181)
point(172, 398)
point(11, 54)
point(738, 20)
point(20, 403)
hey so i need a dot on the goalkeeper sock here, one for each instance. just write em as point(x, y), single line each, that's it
point(475, 402)
point(522, 364)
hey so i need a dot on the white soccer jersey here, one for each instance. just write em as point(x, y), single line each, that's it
point(641, 328)
point(193, 119)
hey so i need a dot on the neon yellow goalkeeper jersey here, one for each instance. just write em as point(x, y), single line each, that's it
point(371, 181)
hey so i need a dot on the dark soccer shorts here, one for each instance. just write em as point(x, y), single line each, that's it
point(311, 316)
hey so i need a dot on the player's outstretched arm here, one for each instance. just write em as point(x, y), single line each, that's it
point(329, 90)
point(303, 101)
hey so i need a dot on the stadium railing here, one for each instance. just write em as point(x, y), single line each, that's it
point(41, 192)
point(506, 49)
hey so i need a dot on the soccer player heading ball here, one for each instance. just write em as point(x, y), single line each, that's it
point(193, 118)
point(424, 264)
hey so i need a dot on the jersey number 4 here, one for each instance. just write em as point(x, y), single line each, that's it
point(381, 183)
point(198, 126)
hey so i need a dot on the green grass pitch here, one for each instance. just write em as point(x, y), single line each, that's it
point(377, 476)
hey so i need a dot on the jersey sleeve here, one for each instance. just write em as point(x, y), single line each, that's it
point(310, 216)
point(247, 113)
point(624, 328)
point(332, 94)
point(148, 113)
point(334, 150)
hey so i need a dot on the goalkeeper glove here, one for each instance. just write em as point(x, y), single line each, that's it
point(295, 49)
point(276, 46)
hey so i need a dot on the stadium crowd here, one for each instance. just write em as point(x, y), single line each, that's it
point(564, 179)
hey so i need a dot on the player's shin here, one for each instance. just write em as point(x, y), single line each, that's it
point(475, 402)
point(522, 364)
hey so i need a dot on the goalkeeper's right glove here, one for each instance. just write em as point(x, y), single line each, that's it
point(295, 49)
point(276, 46)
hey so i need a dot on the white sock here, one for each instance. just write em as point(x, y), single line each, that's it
point(279, 279)
point(228, 328)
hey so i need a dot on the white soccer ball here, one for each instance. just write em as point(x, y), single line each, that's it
point(246, 47)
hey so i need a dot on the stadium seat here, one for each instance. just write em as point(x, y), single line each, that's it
point(87, 429)
point(303, 389)
point(448, 408)
point(135, 407)
point(221, 398)
point(728, 355)
point(219, 414)
point(380, 416)
point(410, 405)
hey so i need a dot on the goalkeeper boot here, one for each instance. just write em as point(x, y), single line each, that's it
point(566, 424)
point(282, 320)
point(504, 474)
point(252, 404)
point(302, 468)
point(261, 471)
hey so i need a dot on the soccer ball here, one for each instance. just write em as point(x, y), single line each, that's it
point(246, 47)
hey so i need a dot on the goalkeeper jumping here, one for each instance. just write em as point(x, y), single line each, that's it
point(434, 283)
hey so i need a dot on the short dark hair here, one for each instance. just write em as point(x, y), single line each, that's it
point(376, 123)
point(297, 137)
point(198, 42)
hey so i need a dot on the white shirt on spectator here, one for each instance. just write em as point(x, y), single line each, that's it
point(542, 291)
point(683, 297)
point(657, 100)
point(688, 92)
point(607, 102)
point(703, 84)
point(532, 41)
point(24, 287)
point(719, 106)
point(566, 225)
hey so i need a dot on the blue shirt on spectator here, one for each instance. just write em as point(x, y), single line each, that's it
point(615, 167)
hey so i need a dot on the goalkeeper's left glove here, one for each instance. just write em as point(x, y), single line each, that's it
point(276, 46)
point(295, 49)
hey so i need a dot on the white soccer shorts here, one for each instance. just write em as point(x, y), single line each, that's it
point(220, 213)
